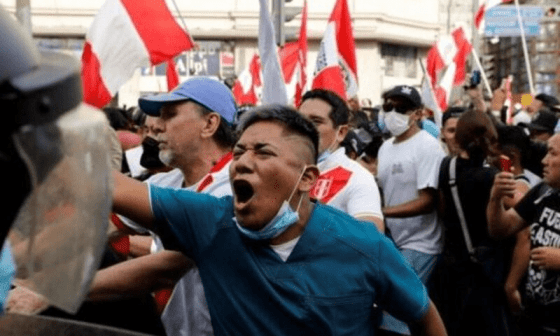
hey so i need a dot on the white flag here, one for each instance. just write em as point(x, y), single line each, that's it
point(274, 89)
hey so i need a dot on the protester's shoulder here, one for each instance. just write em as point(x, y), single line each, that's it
point(169, 197)
point(173, 178)
point(362, 237)
point(543, 190)
point(387, 143)
point(427, 142)
point(358, 171)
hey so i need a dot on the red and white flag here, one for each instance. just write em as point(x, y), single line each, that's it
point(293, 57)
point(302, 57)
point(125, 35)
point(445, 64)
point(246, 87)
point(336, 68)
point(481, 12)
point(171, 75)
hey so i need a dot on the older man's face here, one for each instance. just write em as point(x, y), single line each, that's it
point(178, 132)
point(267, 162)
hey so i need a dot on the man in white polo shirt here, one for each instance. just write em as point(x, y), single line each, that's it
point(343, 184)
point(195, 134)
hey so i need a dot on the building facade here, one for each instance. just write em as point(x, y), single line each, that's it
point(391, 37)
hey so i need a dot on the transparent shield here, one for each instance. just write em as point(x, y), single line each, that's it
point(60, 232)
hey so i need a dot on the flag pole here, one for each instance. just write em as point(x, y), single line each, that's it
point(179, 14)
point(525, 52)
point(483, 74)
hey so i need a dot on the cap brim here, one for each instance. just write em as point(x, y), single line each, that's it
point(152, 105)
point(403, 96)
point(538, 128)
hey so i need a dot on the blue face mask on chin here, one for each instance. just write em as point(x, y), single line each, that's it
point(327, 152)
point(285, 217)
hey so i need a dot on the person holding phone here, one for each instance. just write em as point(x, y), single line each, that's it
point(539, 210)
point(471, 299)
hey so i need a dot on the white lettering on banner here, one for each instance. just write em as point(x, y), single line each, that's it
point(542, 236)
point(550, 218)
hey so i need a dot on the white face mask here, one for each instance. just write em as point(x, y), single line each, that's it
point(396, 123)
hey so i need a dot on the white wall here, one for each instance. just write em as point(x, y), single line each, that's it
point(406, 22)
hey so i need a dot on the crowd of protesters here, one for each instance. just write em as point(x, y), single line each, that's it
point(330, 218)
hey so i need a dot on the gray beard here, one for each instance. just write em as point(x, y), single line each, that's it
point(167, 157)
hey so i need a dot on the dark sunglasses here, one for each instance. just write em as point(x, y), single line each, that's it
point(400, 108)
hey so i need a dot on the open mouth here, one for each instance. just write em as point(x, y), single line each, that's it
point(243, 191)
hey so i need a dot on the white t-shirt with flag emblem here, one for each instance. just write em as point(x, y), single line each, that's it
point(345, 185)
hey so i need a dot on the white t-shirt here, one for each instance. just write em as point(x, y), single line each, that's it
point(345, 185)
point(404, 169)
point(186, 313)
point(285, 249)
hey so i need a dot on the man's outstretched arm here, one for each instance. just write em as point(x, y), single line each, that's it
point(131, 199)
point(139, 276)
point(423, 204)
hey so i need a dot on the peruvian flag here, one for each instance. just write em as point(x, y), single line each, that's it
point(293, 57)
point(445, 64)
point(246, 86)
point(479, 15)
point(125, 35)
point(171, 75)
point(302, 57)
point(336, 68)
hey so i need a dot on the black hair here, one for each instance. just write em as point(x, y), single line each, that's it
point(358, 119)
point(339, 109)
point(287, 116)
point(452, 112)
point(476, 134)
point(514, 138)
point(118, 118)
point(372, 149)
point(224, 135)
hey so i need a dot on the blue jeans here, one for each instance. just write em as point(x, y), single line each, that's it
point(424, 265)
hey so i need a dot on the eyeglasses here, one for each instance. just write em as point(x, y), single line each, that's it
point(400, 108)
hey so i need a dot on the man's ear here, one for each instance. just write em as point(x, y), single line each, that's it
point(341, 133)
point(416, 115)
point(309, 177)
point(211, 126)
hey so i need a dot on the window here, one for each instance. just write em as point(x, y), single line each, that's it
point(400, 60)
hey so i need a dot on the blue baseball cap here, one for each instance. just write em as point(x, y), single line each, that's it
point(205, 91)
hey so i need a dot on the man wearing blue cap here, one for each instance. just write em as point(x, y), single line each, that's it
point(195, 137)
